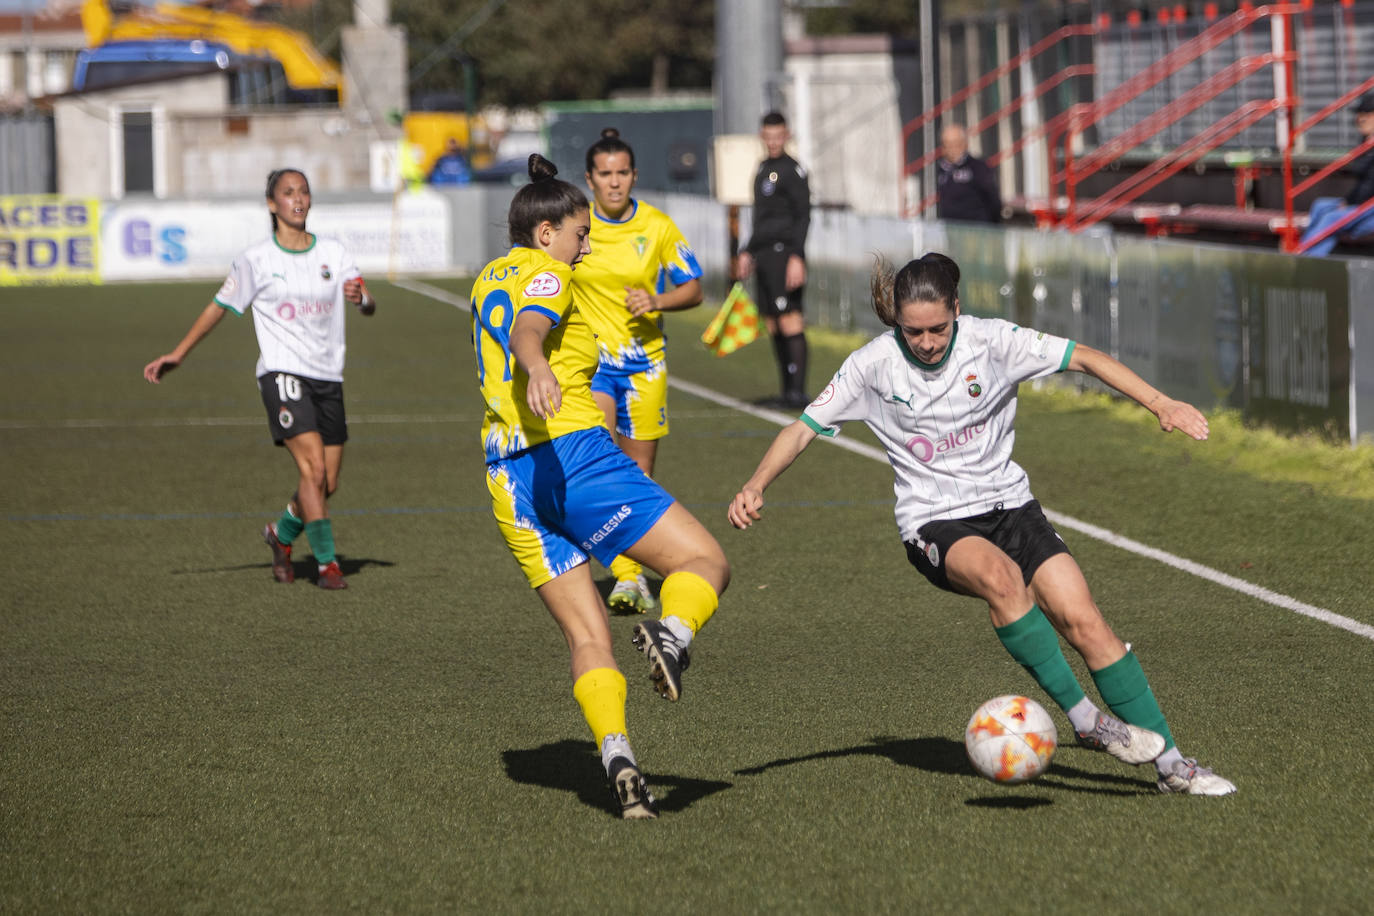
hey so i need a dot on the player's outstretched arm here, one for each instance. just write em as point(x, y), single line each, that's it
point(205, 323)
point(791, 442)
point(1172, 414)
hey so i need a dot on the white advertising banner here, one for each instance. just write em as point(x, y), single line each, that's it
point(175, 240)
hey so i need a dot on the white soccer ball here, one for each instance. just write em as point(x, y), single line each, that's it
point(1010, 739)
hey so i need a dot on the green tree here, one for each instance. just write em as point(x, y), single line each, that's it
point(533, 51)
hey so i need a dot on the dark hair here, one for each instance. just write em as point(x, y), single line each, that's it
point(273, 177)
point(544, 198)
point(610, 142)
point(773, 119)
point(933, 277)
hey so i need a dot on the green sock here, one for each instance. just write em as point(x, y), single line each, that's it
point(321, 535)
point(1034, 644)
point(1127, 693)
point(289, 527)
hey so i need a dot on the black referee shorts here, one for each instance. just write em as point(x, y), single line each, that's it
point(770, 266)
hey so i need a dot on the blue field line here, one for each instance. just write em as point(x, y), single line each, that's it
point(208, 516)
point(393, 510)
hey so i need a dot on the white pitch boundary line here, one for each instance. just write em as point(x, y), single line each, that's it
point(1093, 531)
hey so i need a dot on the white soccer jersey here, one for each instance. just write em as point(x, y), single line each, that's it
point(948, 429)
point(298, 305)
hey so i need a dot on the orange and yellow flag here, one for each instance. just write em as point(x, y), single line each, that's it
point(735, 325)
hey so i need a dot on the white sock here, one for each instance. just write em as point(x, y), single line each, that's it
point(614, 745)
point(682, 633)
point(1165, 761)
point(1083, 716)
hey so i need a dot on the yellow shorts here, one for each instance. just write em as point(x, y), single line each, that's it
point(641, 399)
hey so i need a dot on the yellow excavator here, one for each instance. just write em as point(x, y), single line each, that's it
point(307, 71)
point(305, 67)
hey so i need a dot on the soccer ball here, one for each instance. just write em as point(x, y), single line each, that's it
point(1010, 739)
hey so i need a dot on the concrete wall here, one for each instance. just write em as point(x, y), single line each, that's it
point(845, 102)
point(89, 131)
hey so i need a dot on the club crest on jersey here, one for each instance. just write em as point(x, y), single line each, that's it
point(770, 184)
point(324, 272)
point(641, 245)
point(544, 286)
point(285, 418)
point(974, 389)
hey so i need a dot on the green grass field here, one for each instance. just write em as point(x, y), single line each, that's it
point(178, 733)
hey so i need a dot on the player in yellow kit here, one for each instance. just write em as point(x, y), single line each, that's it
point(640, 266)
point(561, 489)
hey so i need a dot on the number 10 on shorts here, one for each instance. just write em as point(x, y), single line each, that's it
point(288, 387)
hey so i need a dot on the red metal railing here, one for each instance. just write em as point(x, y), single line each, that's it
point(983, 82)
point(1083, 116)
point(1052, 128)
point(1289, 236)
point(1067, 127)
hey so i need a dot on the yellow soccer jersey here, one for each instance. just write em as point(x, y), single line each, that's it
point(645, 251)
point(522, 280)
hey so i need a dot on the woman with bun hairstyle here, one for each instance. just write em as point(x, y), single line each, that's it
point(297, 285)
point(560, 487)
point(939, 392)
point(640, 266)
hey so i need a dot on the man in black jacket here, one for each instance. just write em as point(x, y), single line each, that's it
point(777, 248)
point(1326, 211)
point(965, 186)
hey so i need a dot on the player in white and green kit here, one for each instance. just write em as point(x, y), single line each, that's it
point(939, 392)
point(297, 286)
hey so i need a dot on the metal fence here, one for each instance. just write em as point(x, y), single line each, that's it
point(28, 163)
point(1287, 340)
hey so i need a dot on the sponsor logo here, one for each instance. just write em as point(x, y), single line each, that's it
point(543, 286)
point(285, 418)
point(290, 311)
point(925, 450)
point(605, 530)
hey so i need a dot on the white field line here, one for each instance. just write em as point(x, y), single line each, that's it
point(1093, 531)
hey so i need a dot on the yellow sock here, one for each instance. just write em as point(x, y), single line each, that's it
point(622, 567)
point(601, 694)
point(689, 598)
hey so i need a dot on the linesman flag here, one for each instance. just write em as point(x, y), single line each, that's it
point(735, 325)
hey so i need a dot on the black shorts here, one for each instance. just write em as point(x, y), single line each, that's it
point(298, 405)
point(1023, 533)
point(770, 266)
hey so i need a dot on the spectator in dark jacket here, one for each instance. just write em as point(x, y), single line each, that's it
point(965, 186)
point(1327, 211)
